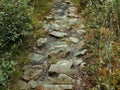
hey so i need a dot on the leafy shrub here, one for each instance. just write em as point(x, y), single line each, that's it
point(7, 68)
point(15, 24)
point(15, 21)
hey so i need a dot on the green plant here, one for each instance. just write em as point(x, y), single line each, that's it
point(15, 21)
point(103, 19)
point(7, 68)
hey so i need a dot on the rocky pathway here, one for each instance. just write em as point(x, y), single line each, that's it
point(57, 58)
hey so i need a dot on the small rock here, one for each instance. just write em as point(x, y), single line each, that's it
point(56, 26)
point(23, 85)
point(26, 67)
point(82, 26)
point(72, 15)
point(81, 31)
point(49, 17)
point(72, 10)
point(78, 62)
point(61, 66)
point(58, 87)
point(64, 79)
point(36, 66)
point(73, 21)
point(56, 17)
point(81, 52)
point(35, 57)
point(59, 11)
point(31, 74)
point(58, 34)
point(82, 65)
point(74, 40)
point(32, 83)
point(68, 1)
point(47, 27)
point(80, 45)
point(41, 42)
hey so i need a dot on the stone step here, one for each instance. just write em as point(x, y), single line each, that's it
point(55, 87)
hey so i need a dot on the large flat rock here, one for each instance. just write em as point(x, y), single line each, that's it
point(62, 66)
point(57, 48)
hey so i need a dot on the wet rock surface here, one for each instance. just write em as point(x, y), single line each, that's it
point(56, 57)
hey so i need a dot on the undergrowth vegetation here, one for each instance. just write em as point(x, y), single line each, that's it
point(17, 25)
point(103, 39)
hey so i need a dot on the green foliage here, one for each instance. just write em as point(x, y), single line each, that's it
point(15, 24)
point(40, 5)
point(103, 22)
point(15, 21)
point(7, 68)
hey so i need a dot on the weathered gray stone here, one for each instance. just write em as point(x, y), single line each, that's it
point(81, 31)
point(83, 64)
point(81, 52)
point(73, 21)
point(41, 42)
point(47, 27)
point(49, 17)
point(78, 61)
point(31, 74)
point(35, 57)
point(80, 45)
point(61, 79)
point(58, 87)
point(56, 26)
point(26, 67)
point(36, 67)
point(64, 79)
point(23, 85)
point(68, 1)
point(72, 10)
point(58, 34)
point(58, 48)
point(73, 39)
point(59, 10)
point(61, 66)
point(72, 15)
point(32, 84)
point(56, 17)
point(82, 26)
